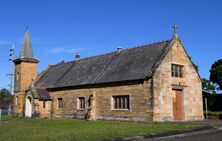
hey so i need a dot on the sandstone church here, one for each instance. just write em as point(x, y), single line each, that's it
point(153, 82)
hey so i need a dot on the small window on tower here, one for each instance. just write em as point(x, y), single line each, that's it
point(17, 76)
point(16, 100)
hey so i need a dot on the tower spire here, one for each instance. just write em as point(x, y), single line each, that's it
point(26, 51)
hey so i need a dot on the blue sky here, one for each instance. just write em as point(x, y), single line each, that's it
point(61, 28)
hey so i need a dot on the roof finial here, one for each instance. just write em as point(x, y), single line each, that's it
point(77, 56)
point(175, 30)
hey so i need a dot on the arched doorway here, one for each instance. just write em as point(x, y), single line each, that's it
point(28, 107)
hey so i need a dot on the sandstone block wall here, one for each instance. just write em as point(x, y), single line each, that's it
point(25, 73)
point(43, 112)
point(140, 103)
point(163, 85)
point(18, 105)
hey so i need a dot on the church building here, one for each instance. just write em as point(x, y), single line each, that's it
point(153, 82)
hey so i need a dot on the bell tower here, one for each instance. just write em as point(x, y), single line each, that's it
point(25, 73)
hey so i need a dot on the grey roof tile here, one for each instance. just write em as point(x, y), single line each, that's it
point(26, 51)
point(130, 64)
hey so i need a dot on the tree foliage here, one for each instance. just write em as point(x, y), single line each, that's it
point(208, 86)
point(216, 73)
point(195, 66)
point(5, 97)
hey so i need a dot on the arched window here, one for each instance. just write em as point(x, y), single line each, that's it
point(16, 100)
point(17, 76)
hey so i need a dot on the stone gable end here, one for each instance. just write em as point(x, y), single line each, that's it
point(164, 83)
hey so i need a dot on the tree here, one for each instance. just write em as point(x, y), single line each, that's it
point(216, 73)
point(5, 97)
point(195, 66)
point(208, 86)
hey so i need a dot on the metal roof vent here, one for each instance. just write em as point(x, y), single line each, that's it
point(77, 56)
point(119, 49)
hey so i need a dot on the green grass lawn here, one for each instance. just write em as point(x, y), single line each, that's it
point(79, 130)
point(6, 117)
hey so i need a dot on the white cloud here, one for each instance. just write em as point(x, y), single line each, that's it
point(2, 42)
point(70, 48)
point(65, 50)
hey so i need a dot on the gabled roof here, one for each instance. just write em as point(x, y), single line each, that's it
point(39, 93)
point(130, 64)
point(43, 94)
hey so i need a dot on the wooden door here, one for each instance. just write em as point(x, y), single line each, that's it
point(178, 105)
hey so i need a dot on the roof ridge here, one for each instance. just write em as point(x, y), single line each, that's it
point(70, 67)
point(105, 68)
point(41, 74)
point(162, 55)
point(61, 62)
point(109, 53)
point(129, 64)
point(89, 57)
point(148, 44)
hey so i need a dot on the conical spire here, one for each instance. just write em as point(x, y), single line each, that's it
point(26, 51)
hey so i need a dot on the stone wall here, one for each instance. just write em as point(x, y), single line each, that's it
point(18, 106)
point(140, 103)
point(147, 103)
point(25, 73)
point(140, 93)
point(190, 83)
point(40, 110)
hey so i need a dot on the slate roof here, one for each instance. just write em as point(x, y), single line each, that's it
point(26, 51)
point(43, 94)
point(130, 64)
point(39, 93)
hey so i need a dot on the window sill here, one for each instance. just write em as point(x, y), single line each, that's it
point(125, 110)
point(176, 77)
point(81, 109)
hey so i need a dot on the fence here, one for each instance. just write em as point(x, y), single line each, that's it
point(4, 111)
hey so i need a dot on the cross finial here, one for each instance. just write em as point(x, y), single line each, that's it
point(175, 28)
